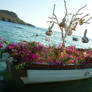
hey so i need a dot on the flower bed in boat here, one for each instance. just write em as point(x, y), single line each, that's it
point(36, 53)
point(25, 53)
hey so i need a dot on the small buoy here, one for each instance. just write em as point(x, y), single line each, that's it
point(37, 35)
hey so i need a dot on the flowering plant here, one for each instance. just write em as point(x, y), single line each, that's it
point(1, 44)
point(35, 53)
point(24, 53)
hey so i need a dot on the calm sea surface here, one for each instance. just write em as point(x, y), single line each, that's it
point(16, 33)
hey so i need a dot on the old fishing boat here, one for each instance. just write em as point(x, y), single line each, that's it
point(73, 69)
point(44, 73)
point(53, 73)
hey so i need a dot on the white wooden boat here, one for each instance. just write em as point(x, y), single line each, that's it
point(56, 73)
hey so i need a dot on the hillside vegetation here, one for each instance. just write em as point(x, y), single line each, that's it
point(9, 16)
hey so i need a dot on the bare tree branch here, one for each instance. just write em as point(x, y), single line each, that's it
point(88, 19)
point(54, 9)
point(65, 8)
point(87, 22)
point(69, 21)
point(85, 16)
point(81, 9)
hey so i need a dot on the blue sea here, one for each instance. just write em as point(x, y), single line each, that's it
point(13, 32)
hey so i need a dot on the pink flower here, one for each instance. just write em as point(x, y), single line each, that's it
point(27, 59)
point(48, 57)
point(15, 44)
point(38, 43)
point(57, 62)
point(1, 45)
point(89, 52)
point(69, 49)
point(78, 58)
point(71, 61)
point(70, 56)
point(0, 38)
point(23, 51)
point(34, 56)
point(8, 48)
point(76, 61)
point(16, 53)
point(21, 44)
point(61, 57)
point(26, 51)
point(41, 60)
point(66, 54)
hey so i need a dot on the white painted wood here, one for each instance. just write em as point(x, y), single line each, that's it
point(44, 76)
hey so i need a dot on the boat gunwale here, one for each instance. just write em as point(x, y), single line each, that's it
point(57, 67)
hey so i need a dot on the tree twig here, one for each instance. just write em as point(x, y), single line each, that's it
point(65, 8)
point(89, 19)
point(81, 9)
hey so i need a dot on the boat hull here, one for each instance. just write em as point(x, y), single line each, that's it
point(46, 76)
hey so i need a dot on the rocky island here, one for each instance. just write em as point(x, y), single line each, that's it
point(9, 16)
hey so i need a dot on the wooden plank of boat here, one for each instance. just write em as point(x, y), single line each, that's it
point(38, 73)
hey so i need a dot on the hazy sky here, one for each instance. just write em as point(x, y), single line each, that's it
point(37, 12)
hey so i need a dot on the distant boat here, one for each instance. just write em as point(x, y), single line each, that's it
point(75, 39)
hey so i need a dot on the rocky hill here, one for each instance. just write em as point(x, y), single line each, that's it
point(9, 16)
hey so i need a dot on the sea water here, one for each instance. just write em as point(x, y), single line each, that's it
point(13, 32)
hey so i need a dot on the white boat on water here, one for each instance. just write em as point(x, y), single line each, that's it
point(56, 73)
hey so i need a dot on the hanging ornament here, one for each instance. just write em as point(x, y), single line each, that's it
point(69, 33)
point(75, 25)
point(81, 21)
point(49, 32)
point(63, 24)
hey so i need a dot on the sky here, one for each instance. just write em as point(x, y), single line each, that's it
point(36, 12)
